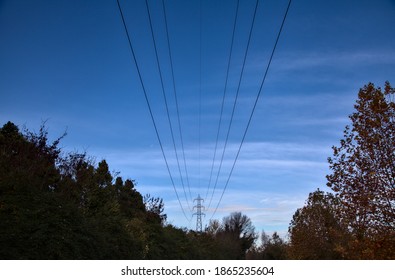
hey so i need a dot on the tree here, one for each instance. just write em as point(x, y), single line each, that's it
point(271, 248)
point(363, 173)
point(274, 247)
point(236, 235)
point(315, 231)
point(155, 208)
point(59, 207)
point(35, 221)
point(241, 230)
point(65, 206)
point(130, 200)
point(213, 227)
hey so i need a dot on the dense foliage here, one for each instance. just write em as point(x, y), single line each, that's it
point(56, 206)
point(63, 206)
point(316, 231)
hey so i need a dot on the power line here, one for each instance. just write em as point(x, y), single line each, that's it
point(148, 104)
point(255, 103)
point(200, 88)
point(235, 101)
point(223, 96)
point(165, 99)
point(175, 97)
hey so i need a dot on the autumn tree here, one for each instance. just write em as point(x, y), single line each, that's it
point(315, 230)
point(363, 174)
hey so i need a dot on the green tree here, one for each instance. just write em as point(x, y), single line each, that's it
point(363, 174)
point(155, 208)
point(130, 200)
point(35, 221)
point(64, 206)
point(58, 207)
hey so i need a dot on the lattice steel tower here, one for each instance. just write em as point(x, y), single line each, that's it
point(198, 213)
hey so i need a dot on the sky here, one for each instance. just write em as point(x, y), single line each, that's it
point(68, 63)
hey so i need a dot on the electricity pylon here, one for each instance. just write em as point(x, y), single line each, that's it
point(199, 213)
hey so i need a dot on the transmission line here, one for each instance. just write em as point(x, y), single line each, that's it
point(223, 97)
point(165, 99)
point(235, 101)
point(200, 88)
point(175, 97)
point(255, 103)
point(148, 104)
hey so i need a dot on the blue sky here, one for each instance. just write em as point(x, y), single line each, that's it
point(68, 62)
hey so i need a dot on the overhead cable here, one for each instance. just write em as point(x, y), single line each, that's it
point(255, 104)
point(166, 104)
point(235, 100)
point(176, 99)
point(223, 97)
point(149, 105)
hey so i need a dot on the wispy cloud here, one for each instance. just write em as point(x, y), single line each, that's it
point(305, 61)
point(253, 154)
point(269, 211)
point(255, 188)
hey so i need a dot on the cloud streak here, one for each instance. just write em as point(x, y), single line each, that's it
point(256, 187)
point(305, 61)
